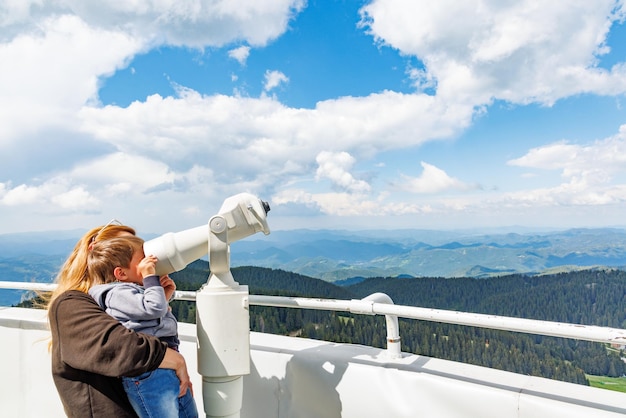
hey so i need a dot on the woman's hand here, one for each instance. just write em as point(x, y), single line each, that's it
point(174, 360)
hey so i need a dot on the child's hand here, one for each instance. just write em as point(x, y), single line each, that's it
point(168, 286)
point(147, 266)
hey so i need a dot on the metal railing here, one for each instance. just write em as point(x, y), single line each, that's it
point(381, 304)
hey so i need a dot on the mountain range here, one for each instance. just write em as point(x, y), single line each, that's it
point(342, 256)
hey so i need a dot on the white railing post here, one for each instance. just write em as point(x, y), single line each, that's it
point(394, 349)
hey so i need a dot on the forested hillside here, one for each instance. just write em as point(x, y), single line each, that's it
point(594, 297)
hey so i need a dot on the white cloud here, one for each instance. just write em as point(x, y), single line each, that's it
point(75, 199)
point(596, 162)
point(240, 54)
point(336, 167)
point(432, 180)
point(123, 169)
point(49, 74)
point(15, 12)
point(189, 23)
point(56, 193)
point(193, 210)
point(54, 55)
point(269, 141)
point(575, 193)
point(588, 173)
point(348, 204)
point(274, 79)
point(20, 195)
point(552, 156)
point(521, 51)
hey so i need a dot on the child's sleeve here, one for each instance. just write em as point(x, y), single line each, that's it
point(138, 304)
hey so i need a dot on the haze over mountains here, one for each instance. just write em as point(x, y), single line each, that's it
point(340, 255)
point(335, 255)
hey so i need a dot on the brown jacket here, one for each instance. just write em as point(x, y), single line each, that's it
point(90, 351)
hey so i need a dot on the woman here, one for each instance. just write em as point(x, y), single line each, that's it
point(90, 349)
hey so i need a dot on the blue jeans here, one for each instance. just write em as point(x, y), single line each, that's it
point(155, 395)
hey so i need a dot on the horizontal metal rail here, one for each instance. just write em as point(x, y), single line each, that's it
point(41, 287)
point(370, 307)
point(504, 323)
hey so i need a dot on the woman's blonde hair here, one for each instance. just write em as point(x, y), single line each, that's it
point(73, 274)
point(106, 256)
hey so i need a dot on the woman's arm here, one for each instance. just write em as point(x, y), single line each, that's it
point(89, 339)
point(174, 360)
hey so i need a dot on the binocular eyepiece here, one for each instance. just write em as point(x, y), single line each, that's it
point(266, 206)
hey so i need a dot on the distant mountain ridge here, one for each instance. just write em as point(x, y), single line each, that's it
point(337, 255)
point(341, 255)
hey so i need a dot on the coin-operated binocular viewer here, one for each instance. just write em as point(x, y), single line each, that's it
point(222, 315)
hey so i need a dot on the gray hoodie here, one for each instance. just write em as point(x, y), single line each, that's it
point(142, 309)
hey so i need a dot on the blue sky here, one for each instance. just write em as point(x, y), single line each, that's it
point(342, 114)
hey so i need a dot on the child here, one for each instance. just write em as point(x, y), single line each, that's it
point(126, 287)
